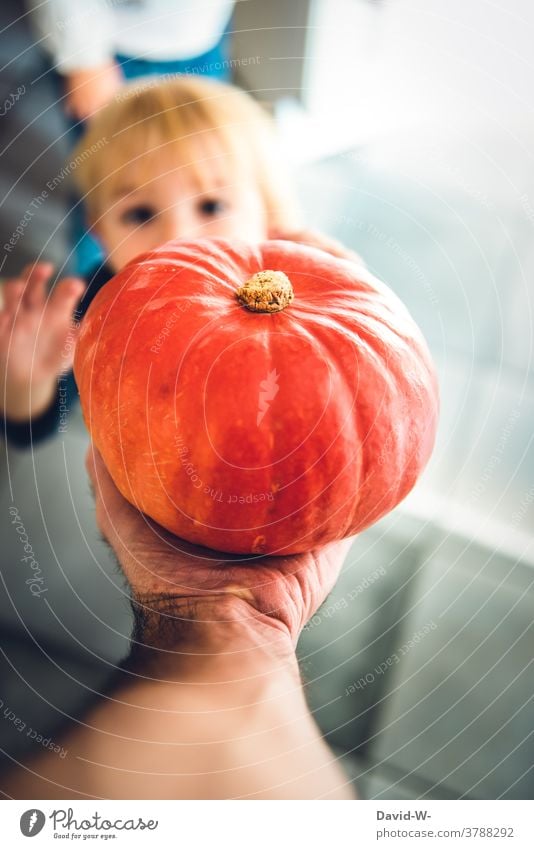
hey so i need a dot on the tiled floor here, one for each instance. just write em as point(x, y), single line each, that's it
point(440, 652)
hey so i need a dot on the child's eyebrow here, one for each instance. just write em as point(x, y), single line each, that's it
point(214, 182)
point(123, 191)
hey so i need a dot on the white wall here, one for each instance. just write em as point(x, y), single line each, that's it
point(376, 67)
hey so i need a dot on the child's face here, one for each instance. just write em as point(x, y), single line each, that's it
point(171, 203)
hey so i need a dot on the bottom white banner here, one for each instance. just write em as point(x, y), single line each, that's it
point(264, 824)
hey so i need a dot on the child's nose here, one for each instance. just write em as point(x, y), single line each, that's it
point(178, 223)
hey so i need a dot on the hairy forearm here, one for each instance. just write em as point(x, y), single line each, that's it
point(223, 716)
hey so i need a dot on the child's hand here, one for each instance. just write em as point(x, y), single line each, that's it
point(89, 89)
point(37, 337)
point(316, 240)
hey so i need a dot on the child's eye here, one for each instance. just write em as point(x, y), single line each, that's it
point(138, 215)
point(211, 206)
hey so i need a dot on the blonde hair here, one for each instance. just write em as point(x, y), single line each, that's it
point(151, 116)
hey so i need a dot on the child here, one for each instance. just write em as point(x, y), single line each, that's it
point(181, 158)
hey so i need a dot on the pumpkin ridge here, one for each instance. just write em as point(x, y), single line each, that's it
point(325, 352)
point(364, 428)
point(356, 437)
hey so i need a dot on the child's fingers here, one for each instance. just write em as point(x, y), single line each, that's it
point(317, 240)
point(12, 292)
point(62, 329)
point(36, 276)
point(312, 238)
point(5, 323)
point(65, 296)
point(61, 346)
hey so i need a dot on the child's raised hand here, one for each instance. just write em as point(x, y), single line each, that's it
point(37, 337)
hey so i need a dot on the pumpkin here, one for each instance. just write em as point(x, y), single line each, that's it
point(264, 398)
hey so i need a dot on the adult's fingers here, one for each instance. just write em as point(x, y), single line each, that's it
point(332, 557)
point(135, 542)
point(115, 515)
point(103, 486)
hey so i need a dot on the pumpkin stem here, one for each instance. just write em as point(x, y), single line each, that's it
point(266, 291)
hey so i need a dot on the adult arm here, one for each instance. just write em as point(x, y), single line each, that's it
point(209, 703)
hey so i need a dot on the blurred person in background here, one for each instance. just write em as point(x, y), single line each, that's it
point(95, 47)
point(183, 158)
point(186, 157)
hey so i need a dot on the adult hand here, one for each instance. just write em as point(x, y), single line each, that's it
point(271, 596)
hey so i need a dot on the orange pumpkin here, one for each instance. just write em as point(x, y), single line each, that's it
point(262, 398)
